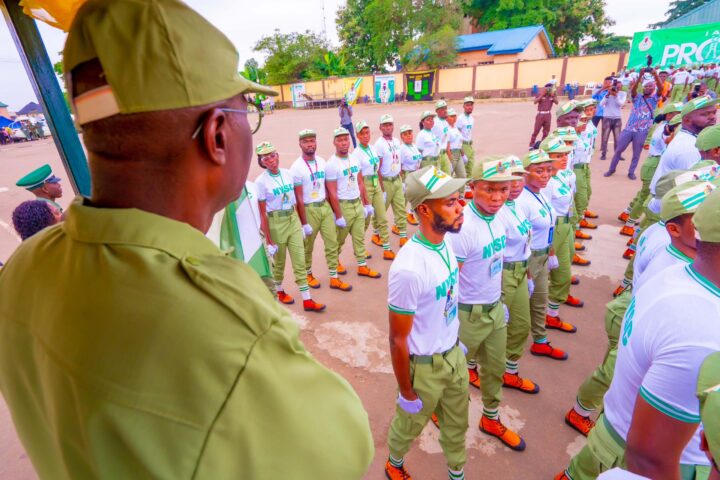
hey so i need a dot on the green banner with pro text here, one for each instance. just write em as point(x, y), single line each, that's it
point(676, 46)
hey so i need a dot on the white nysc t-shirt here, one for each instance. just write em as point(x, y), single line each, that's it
point(345, 172)
point(277, 191)
point(517, 231)
point(389, 153)
point(311, 176)
point(538, 210)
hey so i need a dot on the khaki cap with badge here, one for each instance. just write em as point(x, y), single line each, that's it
point(440, 104)
point(405, 128)
point(162, 40)
point(265, 148)
point(387, 118)
point(426, 114)
point(568, 134)
point(430, 183)
point(554, 144)
point(468, 100)
point(708, 138)
point(340, 131)
point(676, 120)
point(306, 133)
point(672, 107)
point(671, 180)
point(698, 103)
point(684, 199)
point(534, 157)
point(359, 125)
point(494, 168)
point(566, 108)
point(708, 392)
point(707, 220)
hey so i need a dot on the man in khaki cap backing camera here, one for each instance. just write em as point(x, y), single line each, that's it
point(159, 356)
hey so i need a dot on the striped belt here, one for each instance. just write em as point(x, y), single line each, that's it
point(562, 220)
point(581, 166)
point(485, 308)
point(316, 204)
point(513, 265)
point(428, 359)
point(544, 113)
point(354, 200)
point(467, 142)
point(280, 213)
point(541, 252)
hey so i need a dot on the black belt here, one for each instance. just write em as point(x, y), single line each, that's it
point(315, 204)
point(280, 213)
point(541, 252)
point(428, 359)
point(562, 220)
point(512, 265)
point(355, 200)
point(485, 308)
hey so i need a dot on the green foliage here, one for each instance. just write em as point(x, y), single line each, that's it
point(436, 49)
point(677, 9)
point(331, 65)
point(291, 56)
point(567, 21)
point(253, 72)
point(376, 33)
point(608, 44)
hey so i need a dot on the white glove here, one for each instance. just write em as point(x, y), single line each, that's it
point(464, 159)
point(307, 230)
point(384, 197)
point(531, 286)
point(272, 249)
point(340, 222)
point(410, 406)
point(553, 262)
point(462, 347)
point(369, 210)
point(507, 314)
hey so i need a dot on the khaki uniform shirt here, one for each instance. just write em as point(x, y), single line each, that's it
point(131, 347)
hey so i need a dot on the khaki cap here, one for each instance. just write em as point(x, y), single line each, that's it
point(156, 55)
point(306, 133)
point(684, 199)
point(697, 104)
point(430, 183)
point(676, 120)
point(405, 128)
point(264, 148)
point(427, 113)
point(451, 112)
point(387, 118)
point(708, 392)
point(340, 131)
point(534, 157)
point(708, 138)
point(567, 134)
point(554, 144)
point(672, 107)
point(468, 100)
point(360, 124)
point(566, 108)
point(707, 220)
point(440, 104)
point(516, 166)
point(494, 168)
point(588, 102)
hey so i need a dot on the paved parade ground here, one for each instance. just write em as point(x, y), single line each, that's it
point(351, 336)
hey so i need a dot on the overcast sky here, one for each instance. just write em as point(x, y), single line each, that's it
point(245, 22)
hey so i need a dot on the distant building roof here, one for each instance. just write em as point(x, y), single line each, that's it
point(498, 42)
point(706, 13)
point(31, 107)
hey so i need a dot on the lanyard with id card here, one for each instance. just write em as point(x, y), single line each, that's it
point(551, 231)
point(315, 193)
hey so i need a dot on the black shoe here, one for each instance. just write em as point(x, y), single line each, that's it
point(632, 176)
point(602, 157)
point(608, 173)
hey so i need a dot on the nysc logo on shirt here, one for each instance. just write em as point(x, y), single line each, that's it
point(525, 227)
point(493, 247)
point(347, 171)
point(441, 290)
point(628, 322)
point(318, 176)
point(277, 191)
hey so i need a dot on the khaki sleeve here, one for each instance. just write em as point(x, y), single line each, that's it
point(288, 416)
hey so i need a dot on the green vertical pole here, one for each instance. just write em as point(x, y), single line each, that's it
point(42, 76)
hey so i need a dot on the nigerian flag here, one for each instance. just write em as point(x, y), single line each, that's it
point(237, 229)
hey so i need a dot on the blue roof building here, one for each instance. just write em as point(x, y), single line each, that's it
point(502, 46)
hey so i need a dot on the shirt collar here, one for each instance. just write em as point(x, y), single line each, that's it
point(131, 226)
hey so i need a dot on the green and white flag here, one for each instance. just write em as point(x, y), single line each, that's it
point(236, 230)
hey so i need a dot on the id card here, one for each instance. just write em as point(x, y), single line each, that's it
point(495, 267)
point(551, 234)
point(375, 181)
point(314, 195)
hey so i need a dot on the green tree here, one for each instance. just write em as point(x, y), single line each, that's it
point(608, 44)
point(254, 72)
point(330, 65)
point(568, 22)
point(677, 9)
point(374, 32)
point(291, 56)
point(60, 72)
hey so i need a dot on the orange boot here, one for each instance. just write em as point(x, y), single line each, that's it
point(434, 419)
point(411, 219)
point(474, 377)
point(578, 260)
point(590, 214)
point(341, 270)
point(579, 247)
point(403, 241)
point(627, 230)
point(395, 230)
point(285, 298)
point(312, 281)
point(623, 217)
point(495, 428)
point(578, 422)
point(574, 280)
point(547, 350)
point(574, 301)
point(388, 255)
point(556, 324)
point(365, 271)
point(396, 473)
point(561, 476)
point(629, 253)
point(514, 380)
point(580, 235)
point(376, 240)
point(337, 284)
point(620, 289)
point(312, 306)
point(585, 224)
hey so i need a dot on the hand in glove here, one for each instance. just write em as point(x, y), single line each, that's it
point(369, 210)
point(531, 286)
point(307, 230)
point(507, 314)
point(553, 262)
point(410, 406)
point(272, 249)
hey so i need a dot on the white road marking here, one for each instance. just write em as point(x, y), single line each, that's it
point(576, 445)
point(359, 344)
point(3, 189)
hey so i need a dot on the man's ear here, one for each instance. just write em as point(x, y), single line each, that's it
point(214, 135)
point(673, 229)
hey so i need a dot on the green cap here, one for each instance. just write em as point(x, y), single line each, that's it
point(535, 156)
point(671, 180)
point(430, 183)
point(440, 104)
point(588, 102)
point(308, 132)
point(37, 178)
point(494, 168)
point(340, 131)
point(468, 100)
point(387, 118)
point(427, 113)
point(698, 103)
point(708, 138)
point(676, 120)
point(671, 107)
point(360, 124)
point(264, 148)
point(554, 144)
point(707, 220)
point(708, 392)
point(566, 108)
point(405, 128)
point(451, 112)
point(567, 134)
point(516, 166)
point(156, 55)
point(683, 199)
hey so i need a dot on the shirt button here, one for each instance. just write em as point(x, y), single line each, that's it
point(193, 261)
